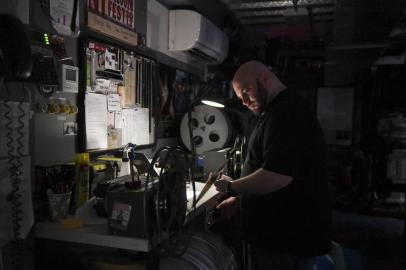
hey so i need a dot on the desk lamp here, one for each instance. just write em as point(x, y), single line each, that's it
point(213, 100)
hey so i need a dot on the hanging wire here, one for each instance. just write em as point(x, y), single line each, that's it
point(170, 204)
point(15, 153)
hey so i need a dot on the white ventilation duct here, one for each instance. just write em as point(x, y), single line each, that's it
point(194, 34)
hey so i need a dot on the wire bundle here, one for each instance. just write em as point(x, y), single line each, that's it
point(170, 202)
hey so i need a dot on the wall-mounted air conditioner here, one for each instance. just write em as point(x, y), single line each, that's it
point(194, 34)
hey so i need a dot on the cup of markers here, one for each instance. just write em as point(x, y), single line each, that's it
point(59, 200)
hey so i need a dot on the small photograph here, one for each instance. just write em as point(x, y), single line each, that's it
point(110, 59)
point(120, 216)
point(100, 61)
point(70, 128)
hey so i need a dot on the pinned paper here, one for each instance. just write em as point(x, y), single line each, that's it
point(102, 85)
point(113, 102)
point(96, 121)
point(118, 119)
point(136, 126)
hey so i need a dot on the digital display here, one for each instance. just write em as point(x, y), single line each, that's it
point(70, 75)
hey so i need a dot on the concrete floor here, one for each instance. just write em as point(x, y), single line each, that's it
point(379, 240)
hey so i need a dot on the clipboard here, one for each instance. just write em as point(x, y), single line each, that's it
point(214, 176)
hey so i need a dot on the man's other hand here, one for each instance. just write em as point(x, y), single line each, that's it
point(228, 208)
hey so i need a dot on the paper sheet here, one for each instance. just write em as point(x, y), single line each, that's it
point(189, 194)
point(96, 121)
point(27, 215)
point(114, 86)
point(136, 126)
point(129, 94)
point(110, 119)
point(114, 103)
point(118, 119)
point(114, 138)
point(142, 126)
point(102, 85)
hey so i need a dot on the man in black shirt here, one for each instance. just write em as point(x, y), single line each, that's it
point(283, 192)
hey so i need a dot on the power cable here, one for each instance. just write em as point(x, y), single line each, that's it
point(170, 201)
point(15, 169)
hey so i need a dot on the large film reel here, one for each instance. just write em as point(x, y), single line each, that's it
point(211, 129)
point(206, 251)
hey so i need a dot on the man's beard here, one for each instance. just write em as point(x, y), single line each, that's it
point(262, 98)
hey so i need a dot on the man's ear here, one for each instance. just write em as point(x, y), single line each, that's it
point(265, 78)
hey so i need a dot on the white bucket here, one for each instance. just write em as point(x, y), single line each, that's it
point(58, 205)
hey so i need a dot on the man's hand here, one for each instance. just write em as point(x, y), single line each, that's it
point(222, 183)
point(228, 208)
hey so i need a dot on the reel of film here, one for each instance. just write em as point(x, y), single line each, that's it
point(211, 128)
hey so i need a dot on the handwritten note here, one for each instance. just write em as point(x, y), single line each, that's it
point(96, 121)
point(136, 126)
point(114, 103)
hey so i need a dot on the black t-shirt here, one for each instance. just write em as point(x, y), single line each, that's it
point(297, 219)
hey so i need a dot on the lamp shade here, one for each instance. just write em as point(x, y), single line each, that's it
point(213, 100)
point(213, 103)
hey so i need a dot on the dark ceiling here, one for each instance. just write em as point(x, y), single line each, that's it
point(275, 12)
point(336, 21)
point(257, 12)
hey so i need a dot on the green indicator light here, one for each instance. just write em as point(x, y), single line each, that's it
point(46, 39)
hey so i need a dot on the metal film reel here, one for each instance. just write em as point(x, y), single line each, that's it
point(211, 129)
point(206, 251)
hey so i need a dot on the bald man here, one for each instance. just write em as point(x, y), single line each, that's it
point(283, 193)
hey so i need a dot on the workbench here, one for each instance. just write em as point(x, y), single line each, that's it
point(96, 234)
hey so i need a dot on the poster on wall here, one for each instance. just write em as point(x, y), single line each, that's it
point(61, 14)
point(119, 11)
point(177, 91)
point(114, 18)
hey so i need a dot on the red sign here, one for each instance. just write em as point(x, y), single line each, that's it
point(121, 11)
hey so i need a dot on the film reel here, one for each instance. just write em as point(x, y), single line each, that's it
point(211, 129)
